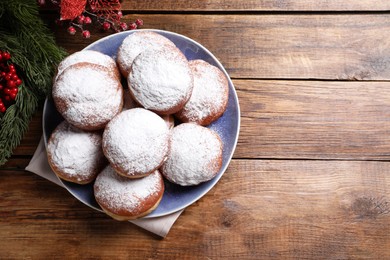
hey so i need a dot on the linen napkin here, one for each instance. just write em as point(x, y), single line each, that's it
point(39, 165)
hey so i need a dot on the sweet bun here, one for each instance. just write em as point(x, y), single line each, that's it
point(75, 155)
point(136, 43)
point(89, 56)
point(125, 199)
point(209, 97)
point(136, 142)
point(87, 95)
point(161, 80)
point(129, 103)
point(195, 155)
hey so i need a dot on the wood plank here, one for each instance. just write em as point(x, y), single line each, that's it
point(314, 119)
point(278, 46)
point(299, 119)
point(16, 163)
point(255, 5)
point(279, 209)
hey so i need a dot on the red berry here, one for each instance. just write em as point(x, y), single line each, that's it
point(71, 30)
point(8, 77)
point(80, 19)
point(139, 22)
point(41, 2)
point(18, 82)
point(106, 26)
point(6, 55)
point(7, 91)
point(120, 14)
point(1, 87)
point(123, 26)
point(87, 20)
point(15, 77)
point(7, 98)
point(86, 34)
point(14, 90)
point(3, 74)
point(11, 67)
point(12, 96)
point(133, 26)
point(11, 84)
point(3, 109)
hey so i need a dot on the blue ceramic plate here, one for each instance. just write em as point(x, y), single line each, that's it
point(175, 197)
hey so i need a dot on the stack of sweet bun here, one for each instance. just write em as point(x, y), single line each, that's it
point(126, 139)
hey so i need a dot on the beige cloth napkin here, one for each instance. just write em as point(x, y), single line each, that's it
point(39, 165)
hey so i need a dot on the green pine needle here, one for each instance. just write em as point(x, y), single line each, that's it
point(35, 53)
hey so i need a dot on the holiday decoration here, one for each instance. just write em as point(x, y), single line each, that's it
point(28, 59)
point(9, 81)
point(78, 14)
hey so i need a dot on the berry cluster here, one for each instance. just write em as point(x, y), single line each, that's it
point(9, 81)
point(105, 23)
point(77, 15)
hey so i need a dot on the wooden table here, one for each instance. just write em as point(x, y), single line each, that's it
point(310, 178)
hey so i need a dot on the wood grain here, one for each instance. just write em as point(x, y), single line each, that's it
point(331, 47)
point(255, 5)
point(314, 120)
point(300, 120)
point(280, 209)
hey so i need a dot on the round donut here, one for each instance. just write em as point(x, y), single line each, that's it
point(75, 155)
point(129, 103)
point(161, 80)
point(209, 97)
point(136, 142)
point(89, 56)
point(195, 155)
point(136, 43)
point(125, 199)
point(87, 95)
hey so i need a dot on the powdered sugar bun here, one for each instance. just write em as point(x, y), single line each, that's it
point(195, 155)
point(123, 198)
point(89, 56)
point(75, 155)
point(136, 142)
point(136, 43)
point(209, 97)
point(88, 95)
point(161, 80)
point(129, 103)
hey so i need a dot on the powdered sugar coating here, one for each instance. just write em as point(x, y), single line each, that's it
point(195, 155)
point(89, 56)
point(161, 80)
point(136, 142)
point(136, 43)
point(75, 155)
point(126, 197)
point(129, 103)
point(209, 97)
point(87, 95)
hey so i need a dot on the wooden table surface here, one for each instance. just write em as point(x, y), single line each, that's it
point(310, 178)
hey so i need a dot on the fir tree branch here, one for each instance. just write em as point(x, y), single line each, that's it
point(35, 53)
